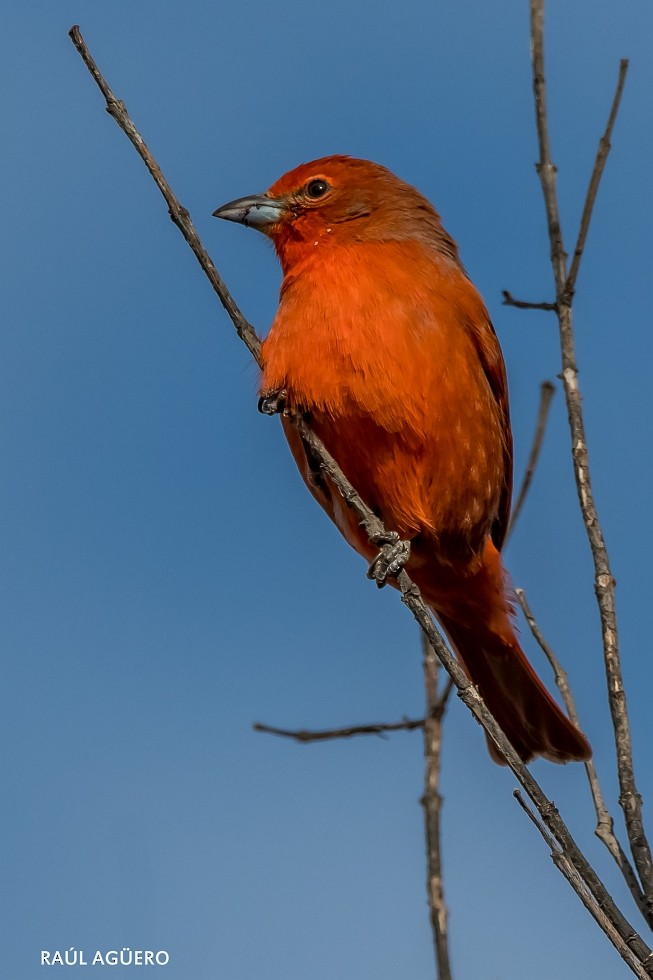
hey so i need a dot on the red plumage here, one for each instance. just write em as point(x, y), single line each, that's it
point(383, 339)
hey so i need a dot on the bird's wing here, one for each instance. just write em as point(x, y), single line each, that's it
point(491, 358)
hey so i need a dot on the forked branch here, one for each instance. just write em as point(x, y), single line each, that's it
point(604, 583)
point(604, 829)
point(567, 869)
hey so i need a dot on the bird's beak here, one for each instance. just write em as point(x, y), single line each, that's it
point(258, 212)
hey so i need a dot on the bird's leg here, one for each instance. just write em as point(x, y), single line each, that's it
point(391, 558)
point(274, 403)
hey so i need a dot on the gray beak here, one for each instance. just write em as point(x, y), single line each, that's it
point(256, 212)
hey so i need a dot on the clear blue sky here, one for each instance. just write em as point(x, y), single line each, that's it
point(166, 578)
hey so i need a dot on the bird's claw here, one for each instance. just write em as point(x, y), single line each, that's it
point(274, 403)
point(390, 560)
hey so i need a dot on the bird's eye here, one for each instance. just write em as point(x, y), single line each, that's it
point(316, 188)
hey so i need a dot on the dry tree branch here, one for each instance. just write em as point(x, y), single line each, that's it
point(604, 829)
point(571, 874)
point(325, 735)
point(559, 673)
point(179, 215)
point(547, 810)
point(604, 583)
point(547, 391)
point(436, 705)
point(597, 173)
point(522, 304)
point(621, 930)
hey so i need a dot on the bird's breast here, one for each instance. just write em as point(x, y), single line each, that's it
point(379, 352)
point(378, 330)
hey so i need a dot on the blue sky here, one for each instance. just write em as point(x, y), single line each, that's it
point(166, 578)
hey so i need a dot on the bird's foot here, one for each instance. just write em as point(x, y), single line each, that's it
point(390, 560)
point(274, 403)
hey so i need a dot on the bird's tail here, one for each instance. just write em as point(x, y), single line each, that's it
point(515, 695)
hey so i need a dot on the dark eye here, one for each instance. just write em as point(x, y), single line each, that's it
point(316, 188)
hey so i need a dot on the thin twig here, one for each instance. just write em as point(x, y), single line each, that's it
point(559, 673)
point(545, 168)
point(562, 863)
point(432, 803)
point(595, 180)
point(179, 215)
point(521, 304)
point(604, 583)
point(410, 595)
point(547, 391)
point(604, 829)
point(324, 735)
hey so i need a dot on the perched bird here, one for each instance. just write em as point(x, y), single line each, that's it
point(383, 340)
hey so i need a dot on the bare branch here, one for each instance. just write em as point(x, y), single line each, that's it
point(547, 391)
point(432, 804)
point(305, 735)
point(595, 180)
point(520, 304)
point(410, 595)
point(444, 695)
point(604, 829)
point(604, 583)
point(567, 869)
point(179, 215)
point(547, 810)
point(559, 673)
point(545, 168)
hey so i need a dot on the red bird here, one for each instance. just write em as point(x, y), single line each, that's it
point(381, 337)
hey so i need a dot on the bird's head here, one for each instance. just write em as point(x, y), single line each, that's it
point(336, 200)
